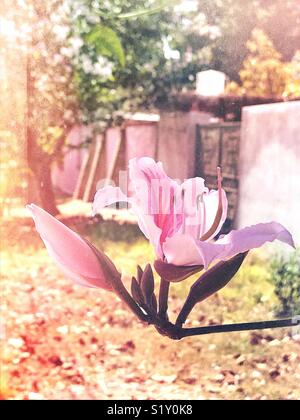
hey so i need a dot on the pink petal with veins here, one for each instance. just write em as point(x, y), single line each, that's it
point(238, 241)
point(156, 197)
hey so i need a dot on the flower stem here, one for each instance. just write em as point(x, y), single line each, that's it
point(248, 326)
point(123, 294)
point(163, 299)
point(209, 283)
point(185, 311)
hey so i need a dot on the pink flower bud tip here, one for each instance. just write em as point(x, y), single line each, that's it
point(78, 259)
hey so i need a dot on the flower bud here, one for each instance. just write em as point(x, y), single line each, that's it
point(78, 259)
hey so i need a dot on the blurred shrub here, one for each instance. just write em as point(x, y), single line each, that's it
point(264, 73)
point(285, 275)
point(111, 230)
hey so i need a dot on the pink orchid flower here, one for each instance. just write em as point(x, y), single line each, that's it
point(182, 220)
point(77, 259)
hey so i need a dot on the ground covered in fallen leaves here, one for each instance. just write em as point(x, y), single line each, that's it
point(61, 341)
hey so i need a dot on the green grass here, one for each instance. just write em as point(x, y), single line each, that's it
point(249, 292)
point(32, 283)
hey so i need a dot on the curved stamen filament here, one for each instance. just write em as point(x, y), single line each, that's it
point(219, 213)
point(201, 212)
point(203, 221)
point(183, 210)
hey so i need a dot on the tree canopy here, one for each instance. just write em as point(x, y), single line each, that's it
point(144, 57)
point(93, 61)
point(264, 73)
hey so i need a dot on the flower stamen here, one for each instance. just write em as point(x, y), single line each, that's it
point(183, 210)
point(201, 212)
point(219, 213)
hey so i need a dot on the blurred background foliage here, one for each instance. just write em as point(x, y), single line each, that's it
point(285, 276)
point(10, 186)
point(67, 62)
point(264, 73)
point(86, 61)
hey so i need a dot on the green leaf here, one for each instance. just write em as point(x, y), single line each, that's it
point(107, 43)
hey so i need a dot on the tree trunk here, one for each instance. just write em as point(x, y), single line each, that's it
point(38, 161)
point(46, 189)
point(40, 164)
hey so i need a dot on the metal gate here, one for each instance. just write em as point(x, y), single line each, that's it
point(218, 145)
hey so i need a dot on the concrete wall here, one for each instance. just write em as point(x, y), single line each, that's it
point(65, 176)
point(176, 146)
point(269, 166)
point(112, 138)
point(141, 140)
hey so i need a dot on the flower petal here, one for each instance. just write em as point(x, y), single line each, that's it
point(149, 229)
point(110, 195)
point(76, 277)
point(181, 249)
point(211, 202)
point(175, 273)
point(107, 196)
point(200, 208)
point(192, 190)
point(236, 242)
point(69, 250)
point(155, 196)
point(219, 214)
point(239, 241)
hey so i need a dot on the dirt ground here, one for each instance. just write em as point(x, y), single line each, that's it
point(61, 341)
